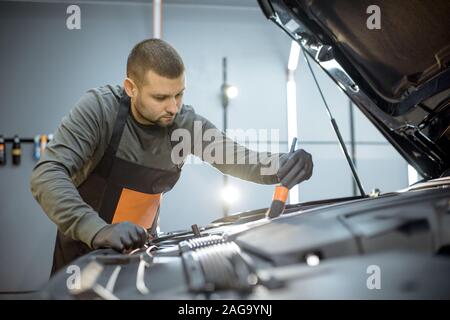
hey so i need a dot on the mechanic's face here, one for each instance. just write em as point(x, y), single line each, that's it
point(158, 99)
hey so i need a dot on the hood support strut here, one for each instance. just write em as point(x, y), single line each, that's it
point(336, 130)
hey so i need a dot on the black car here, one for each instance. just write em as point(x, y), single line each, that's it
point(380, 246)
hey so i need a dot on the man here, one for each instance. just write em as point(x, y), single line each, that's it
point(101, 178)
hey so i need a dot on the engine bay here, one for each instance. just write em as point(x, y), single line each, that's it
point(314, 252)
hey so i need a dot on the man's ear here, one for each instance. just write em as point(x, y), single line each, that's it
point(130, 87)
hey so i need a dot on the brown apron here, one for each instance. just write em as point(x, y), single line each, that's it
point(119, 191)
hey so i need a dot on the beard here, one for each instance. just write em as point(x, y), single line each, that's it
point(164, 120)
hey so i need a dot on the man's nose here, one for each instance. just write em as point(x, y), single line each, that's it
point(172, 107)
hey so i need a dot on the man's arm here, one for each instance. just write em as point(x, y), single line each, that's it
point(74, 143)
point(236, 159)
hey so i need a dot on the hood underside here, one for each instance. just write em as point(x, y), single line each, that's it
point(411, 46)
point(391, 57)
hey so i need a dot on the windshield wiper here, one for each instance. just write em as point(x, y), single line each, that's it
point(336, 129)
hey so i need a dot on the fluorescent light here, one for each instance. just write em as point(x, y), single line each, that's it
point(293, 56)
point(291, 92)
point(230, 195)
point(231, 92)
point(413, 176)
point(293, 195)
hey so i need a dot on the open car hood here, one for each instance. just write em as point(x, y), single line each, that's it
point(398, 75)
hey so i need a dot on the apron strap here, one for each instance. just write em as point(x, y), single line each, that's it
point(104, 167)
point(119, 125)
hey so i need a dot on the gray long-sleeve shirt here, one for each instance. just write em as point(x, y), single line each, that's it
point(82, 138)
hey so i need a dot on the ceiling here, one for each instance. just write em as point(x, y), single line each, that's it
point(229, 3)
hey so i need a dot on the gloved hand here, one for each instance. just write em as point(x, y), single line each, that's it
point(294, 168)
point(121, 237)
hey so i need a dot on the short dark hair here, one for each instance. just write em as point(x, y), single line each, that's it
point(156, 55)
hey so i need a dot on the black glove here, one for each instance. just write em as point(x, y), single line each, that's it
point(121, 237)
point(294, 168)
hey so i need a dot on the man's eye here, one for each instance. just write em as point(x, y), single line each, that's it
point(160, 98)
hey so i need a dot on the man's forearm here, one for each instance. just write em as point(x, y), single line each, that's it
point(244, 163)
point(53, 189)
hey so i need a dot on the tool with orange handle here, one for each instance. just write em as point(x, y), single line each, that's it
point(281, 194)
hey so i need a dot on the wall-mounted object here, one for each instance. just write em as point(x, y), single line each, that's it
point(16, 151)
point(2, 151)
point(43, 144)
point(40, 143)
point(36, 148)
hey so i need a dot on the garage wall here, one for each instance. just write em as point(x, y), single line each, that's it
point(46, 68)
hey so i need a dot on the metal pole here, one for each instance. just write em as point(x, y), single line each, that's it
point(352, 142)
point(225, 123)
point(157, 18)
